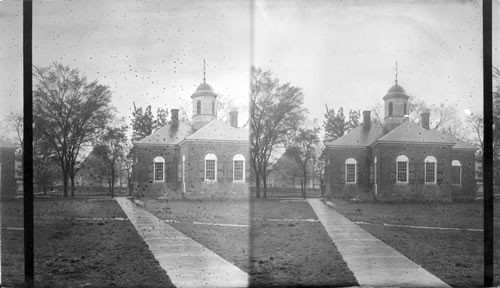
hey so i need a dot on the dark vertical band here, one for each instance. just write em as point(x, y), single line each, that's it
point(28, 143)
point(488, 143)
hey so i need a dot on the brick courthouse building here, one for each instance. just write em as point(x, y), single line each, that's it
point(206, 158)
point(399, 160)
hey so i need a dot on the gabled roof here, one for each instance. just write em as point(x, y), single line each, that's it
point(463, 145)
point(217, 130)
point(359, 136)
point(168, 134)
point(411, 132)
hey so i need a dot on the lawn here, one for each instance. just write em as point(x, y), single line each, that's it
point(12, 243)
point(80, 253)
point(456, 257)
point(278, 252)
point(496, 238)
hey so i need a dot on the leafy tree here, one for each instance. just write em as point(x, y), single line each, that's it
point(303, 150)
point(353, 119)
point(275, 113)
point(69, 112)
point(144, 122)
point(110, 150)
point(335, 125)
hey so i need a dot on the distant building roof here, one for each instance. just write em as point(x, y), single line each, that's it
point(359, 136)
point(168, 134)
point(217, 130)
point(411, 132)
point(204, 89)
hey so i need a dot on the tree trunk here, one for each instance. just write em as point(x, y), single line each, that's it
point(264, 185)
point(65, 184)
point(112, 183)
point(72, 177)
point(257, 185)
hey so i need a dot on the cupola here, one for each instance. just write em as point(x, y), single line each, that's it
point(395, 104)
point(204, 102)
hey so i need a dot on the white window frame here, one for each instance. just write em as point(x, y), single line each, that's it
point(238, 157)
point(402, 158)
point(430, 159)
point(456, 163)
point(351, 161)
point(159, 159)
point(210, 156)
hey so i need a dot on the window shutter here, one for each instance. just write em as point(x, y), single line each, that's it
point(342, 173)
point(220, 170)
point(439, 168)
point(150, 172)
point(201, 169)
point(393, 172)
point(411, 173)
point(229, 170)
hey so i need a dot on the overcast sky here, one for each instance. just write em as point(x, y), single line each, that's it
point(342, 53)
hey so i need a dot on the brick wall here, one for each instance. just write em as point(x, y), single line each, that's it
point(224, 187)
point(416, 189)
point(335, 172)
point(467, 190)
point(142, 175)
point(8, 180)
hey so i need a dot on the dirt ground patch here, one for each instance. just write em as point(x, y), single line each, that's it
point(77, 253)
point(456, 257)
point(274, 253)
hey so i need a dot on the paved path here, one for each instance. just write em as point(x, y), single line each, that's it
point(187, 262)
point(372, 262)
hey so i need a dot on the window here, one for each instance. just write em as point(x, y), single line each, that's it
point(456, 172)
point(213, 107)
point(430, 169)
point(390, 108)
point(159, 169)
point(404, 109)
point(350, 170)
point(198, 107)
point(239, 168)
point(402, 169)
point(210, 167)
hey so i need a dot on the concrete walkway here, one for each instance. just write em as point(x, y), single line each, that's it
point(372, 262)
point(187, 262)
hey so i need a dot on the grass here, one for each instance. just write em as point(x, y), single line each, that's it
point(85, 253)
point(456, 257)
point(280, 253)
point(12, 243)
point(496, 221)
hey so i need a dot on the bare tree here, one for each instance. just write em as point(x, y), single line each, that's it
point(275, 113)
point(69, 112)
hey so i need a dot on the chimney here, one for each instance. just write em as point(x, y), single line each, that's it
point(233, 118)
point(175, 117)
point(425, 119)
point(366, 119)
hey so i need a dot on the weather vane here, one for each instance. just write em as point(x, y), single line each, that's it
point(396, 73)
point(204, 68)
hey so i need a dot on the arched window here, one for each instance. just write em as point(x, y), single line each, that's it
point(239, 168)
point(404, 109)
point(430, 169)
point(456, 172)
point(198, 107)
point(159, 169)
point(390, 108)
point(402, 169)
point(213, 107)
point(210, 167)
point(350, 170)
